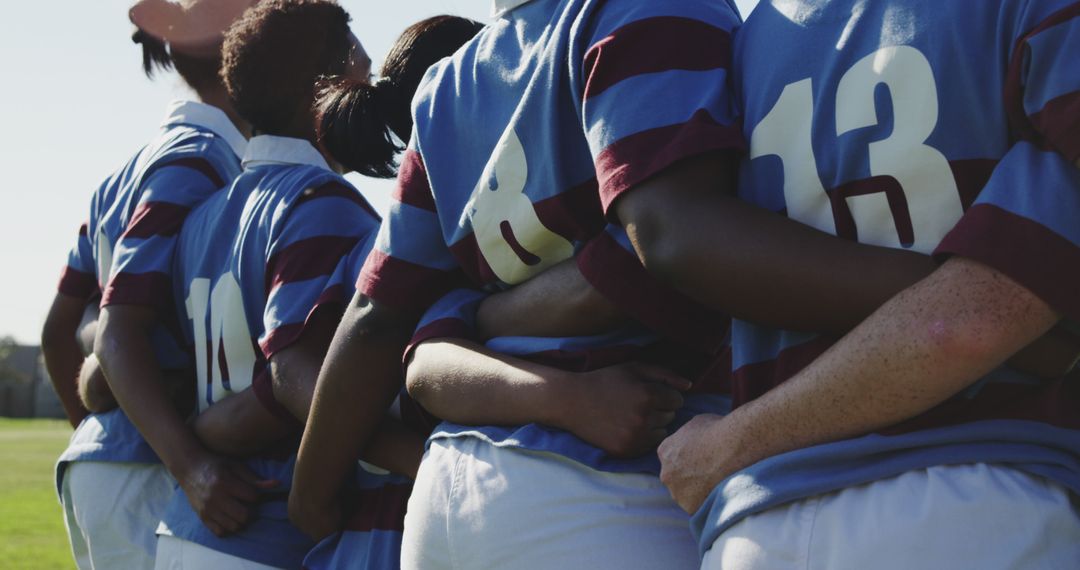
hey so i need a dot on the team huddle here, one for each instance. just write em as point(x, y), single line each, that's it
point(659, 288)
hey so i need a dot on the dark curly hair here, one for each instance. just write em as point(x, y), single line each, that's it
point(354, 118)
point(273, 56)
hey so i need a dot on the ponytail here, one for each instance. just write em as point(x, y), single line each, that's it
point(155, 54)
point(351, 124)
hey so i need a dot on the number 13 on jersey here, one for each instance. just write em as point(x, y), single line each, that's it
point(918, 206)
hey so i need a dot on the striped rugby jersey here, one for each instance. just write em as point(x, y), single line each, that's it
point(524, 138)
point(254, 262)
point(948, 128)
point(126, 247)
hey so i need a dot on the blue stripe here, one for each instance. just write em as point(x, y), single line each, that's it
point(618, 112)
point(1053, 69)
point(752, 344)
point(330, 216)
point(290, 303)
point(144, 255)
point(459, 304)
point(608, 21)
point(1038, 185)
point(414, 235)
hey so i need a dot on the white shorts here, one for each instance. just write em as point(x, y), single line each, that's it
point(477, 506)
point(179, 554)
point(962, 516)
point(112, 510)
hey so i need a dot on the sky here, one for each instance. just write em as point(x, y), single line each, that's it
point(76, 106)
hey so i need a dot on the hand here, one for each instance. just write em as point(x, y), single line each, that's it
point(316, 521)
point(695, 459)
point(93, 389)
point(222, 493)
point(625, 409)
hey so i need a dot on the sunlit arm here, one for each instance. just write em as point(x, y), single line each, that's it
point(922, 347)
point(358, 381)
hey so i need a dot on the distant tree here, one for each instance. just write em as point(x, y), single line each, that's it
point(8, 346)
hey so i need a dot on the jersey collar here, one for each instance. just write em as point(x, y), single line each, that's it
point(500, 7)
point(268, 149)
point(207, 117)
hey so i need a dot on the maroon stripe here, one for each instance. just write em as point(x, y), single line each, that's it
point(156, 219)
point(404, 285)
point(1059, 122)
point(619, 276)
point(1028, 252)
point(153, 289)
point(285, 335)
point(753, 380)
point(263, 387)
point(471, 260)
point(382, 508)
point(75, 283)
point(632, 159)
point(412, 183)
point(574, 214)
point(307, 259)
point(337, 190)
point(1019, 122)
point(1053, 402)
point(652, 45)
point(200, 165)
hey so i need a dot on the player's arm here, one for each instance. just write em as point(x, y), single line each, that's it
point(919, 349)
point(63, 355)
point(359, 380)
point(558, 302)
point(220, 492)
point(622, 409)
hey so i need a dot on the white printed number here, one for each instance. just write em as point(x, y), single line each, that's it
point(501, 213)
point(230, 363)
point(926, 204)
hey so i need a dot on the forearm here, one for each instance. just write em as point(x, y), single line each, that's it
point(923, 347)
point(127, 358)
point(240, 426)
point(63, 359)
point(558, 302)
point(465, 383)
point(358, 381)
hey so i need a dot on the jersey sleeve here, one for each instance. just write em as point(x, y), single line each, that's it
point(314, 254)
point(143, 257)
point(410, 265)
point(654, 87)
point(78, 278)
point(452, 316)
point(1023, 223)
point(610, 264)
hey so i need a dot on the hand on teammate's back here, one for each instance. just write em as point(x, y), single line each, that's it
point(626, 408)
point(223, 493)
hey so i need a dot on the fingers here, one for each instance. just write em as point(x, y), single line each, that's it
point(663, 376)
point(662, 397)
point(248, 476)
point(660, 419)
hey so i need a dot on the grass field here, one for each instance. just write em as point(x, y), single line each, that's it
point(31, 524)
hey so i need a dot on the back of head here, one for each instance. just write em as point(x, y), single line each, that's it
point(354, 119)
point(273, 56)
point(185, 35)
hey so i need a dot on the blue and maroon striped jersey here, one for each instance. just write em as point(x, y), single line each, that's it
point(522, 141)
point(130, 236)
point(253, 264)
point(948, 128)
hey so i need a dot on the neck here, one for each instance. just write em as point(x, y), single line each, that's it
point(219, 98)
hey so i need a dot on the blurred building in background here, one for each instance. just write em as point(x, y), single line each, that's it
point(25, 389)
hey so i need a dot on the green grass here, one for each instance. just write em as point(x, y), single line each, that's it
point(32, 532)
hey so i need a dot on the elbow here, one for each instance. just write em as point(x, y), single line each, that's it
point(975, 340)
point(662, 255)
point(418, 380)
